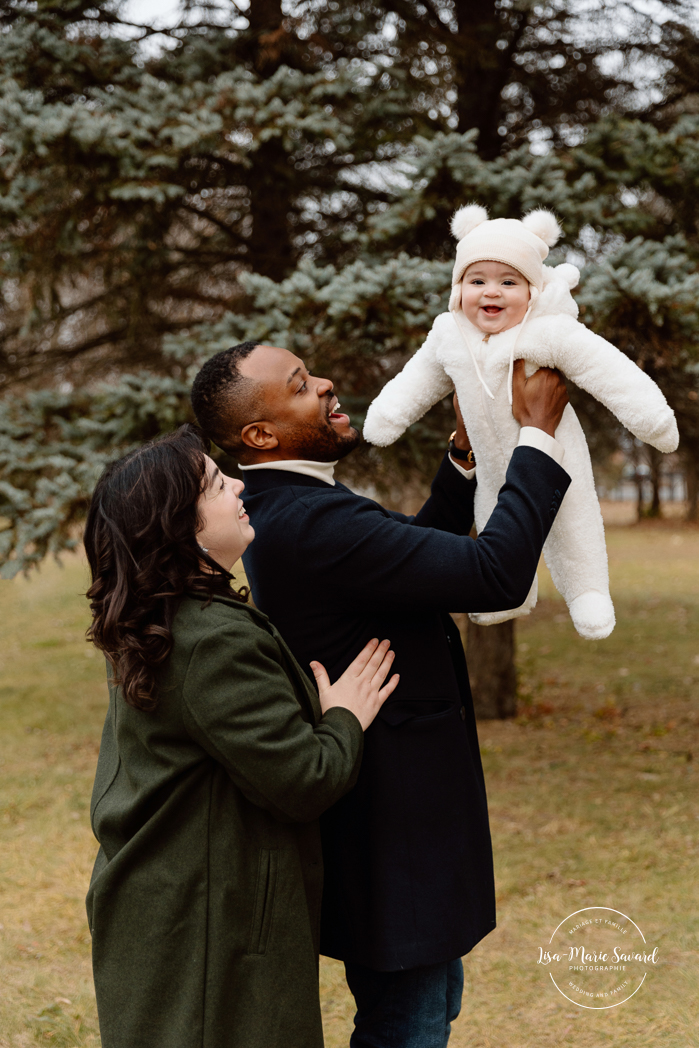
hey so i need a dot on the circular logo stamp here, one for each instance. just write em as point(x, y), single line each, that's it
point(598, 958)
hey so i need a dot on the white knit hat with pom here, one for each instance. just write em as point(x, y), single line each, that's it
point(523, 245)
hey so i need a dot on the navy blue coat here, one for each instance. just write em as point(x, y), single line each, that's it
point(407, 853)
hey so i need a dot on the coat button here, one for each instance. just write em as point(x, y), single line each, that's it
point(462, 713)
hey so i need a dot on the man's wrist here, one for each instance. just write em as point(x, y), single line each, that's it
point(460, 439)
point(530, 423)
point(535, 437)
point(461, 448)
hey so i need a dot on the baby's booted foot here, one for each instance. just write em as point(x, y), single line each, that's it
point(593, 615)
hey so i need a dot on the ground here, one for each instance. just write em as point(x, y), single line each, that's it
point(592, 793)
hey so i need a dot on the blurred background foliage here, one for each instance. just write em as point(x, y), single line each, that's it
point(286, 172)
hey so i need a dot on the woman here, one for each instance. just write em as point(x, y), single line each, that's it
point(217, 758)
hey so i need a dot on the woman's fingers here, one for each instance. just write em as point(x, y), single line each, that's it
point(370, 659)
point(375, 660)
point(377, 674)
point(389, 687)
point(321, 676)
point(358, 665)
point(361, 688)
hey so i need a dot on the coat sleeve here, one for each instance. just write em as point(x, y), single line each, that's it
point(356, 548)
point(450, 505)
point(611, 377)
point(241, 707)
point(405, 399)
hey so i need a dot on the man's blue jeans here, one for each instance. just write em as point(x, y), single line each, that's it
point(405, 1009)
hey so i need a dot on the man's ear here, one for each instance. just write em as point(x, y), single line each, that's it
point(260, 436)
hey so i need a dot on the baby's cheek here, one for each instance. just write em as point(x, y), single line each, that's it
point(518, 309)
point(469, 303)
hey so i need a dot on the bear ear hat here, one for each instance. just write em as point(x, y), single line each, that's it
point(466, 219)
point(569, 273)
point(542, 224)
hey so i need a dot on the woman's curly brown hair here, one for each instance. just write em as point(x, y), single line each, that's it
point(140, 540)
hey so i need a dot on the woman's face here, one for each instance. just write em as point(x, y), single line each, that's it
point(226, 531)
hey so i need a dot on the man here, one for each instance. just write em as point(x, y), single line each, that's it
point(407, 854)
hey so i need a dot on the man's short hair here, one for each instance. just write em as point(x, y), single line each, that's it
point(225, 401)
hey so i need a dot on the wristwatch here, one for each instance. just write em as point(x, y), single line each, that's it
point(457, 453)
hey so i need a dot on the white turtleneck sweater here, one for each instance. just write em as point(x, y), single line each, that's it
point(529, 437)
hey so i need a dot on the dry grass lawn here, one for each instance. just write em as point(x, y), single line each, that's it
point(593, 794)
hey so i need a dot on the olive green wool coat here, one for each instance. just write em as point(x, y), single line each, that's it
point(204, 903)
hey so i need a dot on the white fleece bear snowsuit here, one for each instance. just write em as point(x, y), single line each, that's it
point(457, 355)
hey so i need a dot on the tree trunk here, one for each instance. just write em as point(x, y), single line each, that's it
point(490, 654)
point(271, 250)
point(691, 473)
point(264, 16)
point(638, 477)
point(271, 176)
point(655, 461)
point(481, 70)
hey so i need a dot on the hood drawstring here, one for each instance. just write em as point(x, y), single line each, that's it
point(511, 370)
point(457, 319)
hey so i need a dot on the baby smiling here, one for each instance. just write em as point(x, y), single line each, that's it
point(494, 297)
point(506, 304)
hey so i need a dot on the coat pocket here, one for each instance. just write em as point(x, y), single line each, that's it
point(264, 900)
point(404, 710)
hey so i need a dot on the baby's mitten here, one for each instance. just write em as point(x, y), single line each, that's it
point(380, 430)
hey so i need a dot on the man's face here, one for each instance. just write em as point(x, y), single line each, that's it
point(300, 416)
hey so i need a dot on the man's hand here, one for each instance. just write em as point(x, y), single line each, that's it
point(461, 436)
point(538, 401)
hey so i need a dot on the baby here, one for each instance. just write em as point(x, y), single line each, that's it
point(506, 304)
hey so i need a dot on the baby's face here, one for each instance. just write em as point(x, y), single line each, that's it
point(494, 296)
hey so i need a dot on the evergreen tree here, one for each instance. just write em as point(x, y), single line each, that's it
point(134, 190)
point(644, 297)
point(136, 186)
point(53, 447)
point(521, 69)
point(290, 179)
point(359, 322)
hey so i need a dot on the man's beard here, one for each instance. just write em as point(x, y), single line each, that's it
point(323, 443)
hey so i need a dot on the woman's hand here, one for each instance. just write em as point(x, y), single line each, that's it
point(359, 688)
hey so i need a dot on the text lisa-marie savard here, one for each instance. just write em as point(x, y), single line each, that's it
point(613, 961)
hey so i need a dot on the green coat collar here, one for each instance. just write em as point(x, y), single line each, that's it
point(231, 601)
point(305, 687)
